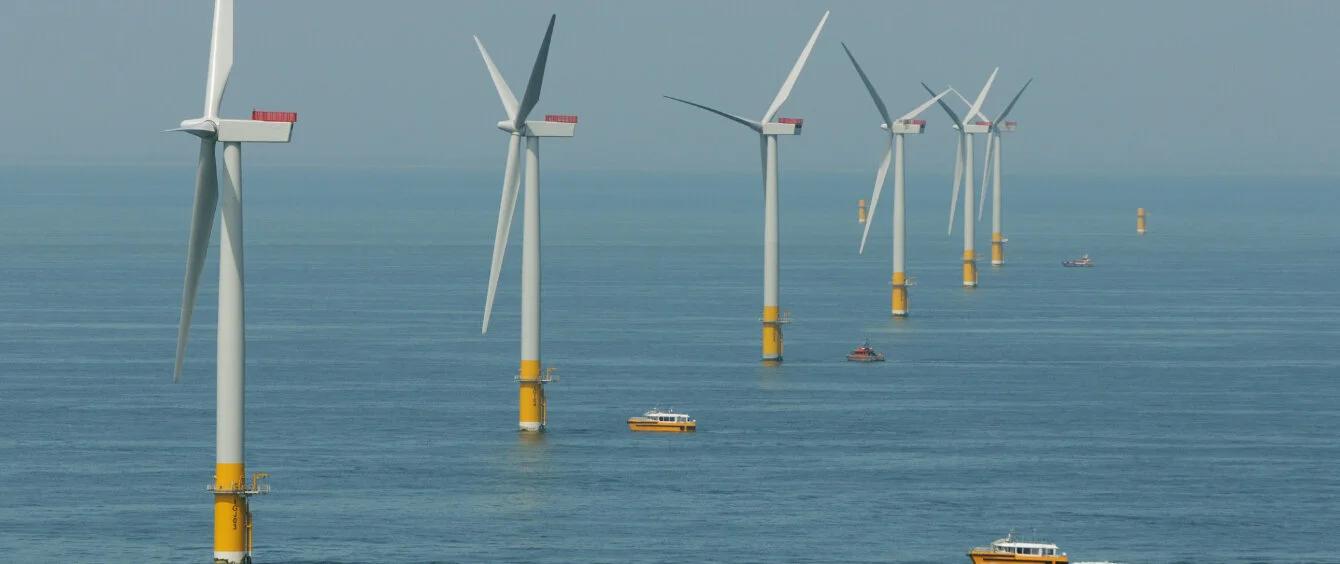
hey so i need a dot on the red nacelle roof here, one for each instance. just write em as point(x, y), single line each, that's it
point(986, 123)
point(259, 115)
point(560, 118)
point(795, 121)
point(1011, 123)
point(914, 121)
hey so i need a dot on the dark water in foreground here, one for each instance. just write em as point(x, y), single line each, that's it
point(1176, 403)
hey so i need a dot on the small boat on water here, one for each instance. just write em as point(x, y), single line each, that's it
point(663, 422)
point(1010, 550)
point(864, 353)
point(1082, 261)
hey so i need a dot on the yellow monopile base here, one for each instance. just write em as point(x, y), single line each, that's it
point(533, 409)
point(997, 249)
point(900, 294)
point(232, 514)
point(969, 269)
point(860, 213)
point(772, 334)
point(1140, 221)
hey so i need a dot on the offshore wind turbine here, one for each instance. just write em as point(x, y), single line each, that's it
point(768, 131)
point(907, 124)
point(990, 165)
point(534, 409)
point(963, 174)
point(232, 493)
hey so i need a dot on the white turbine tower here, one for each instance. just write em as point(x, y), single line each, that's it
point(907, 124)
point(532, 400)
point(990, 165)
point(768, 131)
point(963, 174)
point(232, 511)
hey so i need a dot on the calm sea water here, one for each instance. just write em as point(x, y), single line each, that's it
point(1176, 403)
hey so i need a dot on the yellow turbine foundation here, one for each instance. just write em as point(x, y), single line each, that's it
point(900, 294)
point(969, 269)
point(533, 409)
point(232, 514)
point(997, 249)
point(1140, 221)
point(772, 334)
point(860, 213)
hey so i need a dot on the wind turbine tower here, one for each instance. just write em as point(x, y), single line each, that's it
point(232, 492)
point(991, 167)
point(907, 124)
point(768, 131)
point(963, 174)
point(533, 406)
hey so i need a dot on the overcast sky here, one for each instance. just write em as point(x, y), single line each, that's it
point(1145, 87)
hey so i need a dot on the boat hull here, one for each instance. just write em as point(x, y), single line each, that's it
point(865, 358)
point(991, 557)
point(662, 426)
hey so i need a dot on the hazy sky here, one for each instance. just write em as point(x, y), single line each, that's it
point(1144, 87)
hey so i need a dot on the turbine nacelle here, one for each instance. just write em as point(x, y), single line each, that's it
point(552, 126)
point(977, 127)
point(264, 127)
point(906, 126)
point(783, 126)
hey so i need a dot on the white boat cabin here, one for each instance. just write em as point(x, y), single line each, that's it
point(1026, 548)
point(664, 417)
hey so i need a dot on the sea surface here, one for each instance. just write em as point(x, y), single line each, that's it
point(1177, 403)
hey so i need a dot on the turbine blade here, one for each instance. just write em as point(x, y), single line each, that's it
point(879, 185)
point(504, 92)
point(958, 177)
point(986, 171)
point(202, 225)
point(923, 106)
point(981, 96)
point(879, 104)
point(785, 92)
point(506, 210)
point(763, 152)
point(532, 95)
point(1016, 99)
point(220, 57)
point(944, 106)
point(980, 115)
point(751, 124)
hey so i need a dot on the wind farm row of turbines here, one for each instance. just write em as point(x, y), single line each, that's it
point(231, 488)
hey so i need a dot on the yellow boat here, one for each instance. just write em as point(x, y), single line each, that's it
point(1010, 550)
point(663, 422)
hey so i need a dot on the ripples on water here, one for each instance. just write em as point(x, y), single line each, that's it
point(1176, 403)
